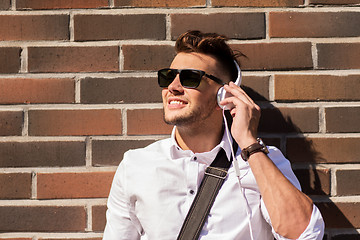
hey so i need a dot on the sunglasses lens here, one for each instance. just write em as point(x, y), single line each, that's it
point(165, 77)
point(190, 78)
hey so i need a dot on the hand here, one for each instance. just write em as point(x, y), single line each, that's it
point(246, 115)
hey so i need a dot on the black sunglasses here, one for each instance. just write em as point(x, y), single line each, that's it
point(189, 78)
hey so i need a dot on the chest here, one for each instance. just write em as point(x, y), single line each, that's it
point(163, 195)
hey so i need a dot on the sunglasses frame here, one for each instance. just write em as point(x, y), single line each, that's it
point(178, 71)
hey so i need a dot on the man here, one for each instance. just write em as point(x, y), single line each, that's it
point(154, 187)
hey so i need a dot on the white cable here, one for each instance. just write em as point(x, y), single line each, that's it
point(237, 172)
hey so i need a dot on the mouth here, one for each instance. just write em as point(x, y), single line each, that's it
point(176, 103)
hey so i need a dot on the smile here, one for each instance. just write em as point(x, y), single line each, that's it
point(176, 102)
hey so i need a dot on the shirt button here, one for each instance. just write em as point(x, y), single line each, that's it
point(195, 158)
point(192, 192)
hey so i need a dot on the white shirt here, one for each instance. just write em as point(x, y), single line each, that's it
point(154, 187)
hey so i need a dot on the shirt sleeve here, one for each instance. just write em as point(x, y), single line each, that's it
point(315, 228)
point(119, 216)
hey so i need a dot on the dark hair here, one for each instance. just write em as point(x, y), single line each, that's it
point(209, 43)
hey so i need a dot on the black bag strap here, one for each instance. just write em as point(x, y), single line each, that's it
point(214, 178)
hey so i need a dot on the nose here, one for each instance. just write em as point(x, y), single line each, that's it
point(175, 86)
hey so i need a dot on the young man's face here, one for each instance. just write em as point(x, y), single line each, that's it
point(186, 106)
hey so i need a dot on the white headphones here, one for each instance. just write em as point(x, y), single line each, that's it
point(222, 94)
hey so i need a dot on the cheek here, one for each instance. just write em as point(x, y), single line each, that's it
point(163, 93)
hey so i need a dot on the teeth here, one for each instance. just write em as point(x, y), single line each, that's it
point(176, 102)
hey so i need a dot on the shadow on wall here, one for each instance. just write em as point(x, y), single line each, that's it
point(278, 128)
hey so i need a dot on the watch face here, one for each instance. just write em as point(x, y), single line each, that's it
point(260, 141)
point(264, 149)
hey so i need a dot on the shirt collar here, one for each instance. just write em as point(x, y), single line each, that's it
point(205, 157)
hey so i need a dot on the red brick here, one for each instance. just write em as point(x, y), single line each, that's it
point(146, 122)
point(112, 27)
point(120, 90)
point(272, 141)
point(257, 3)
point(110, 152)
point(42, 219)
point(347, 182)
point(314, 181)
point(10, 59)
point(73, 59)
point(289, 120)
point(11, 123)
point(15, 185)
point(334, 2)
point(342, 119)
point(233, 25)
point(345, 237)
point(99, 218)
point(5, 4)
point(338, 55)
point(323, 150)
point(74, 185)
point(275, 56)
point(340, 214)
point(147, 57)
point(34, 27)
point(40, 4)
point(25, 90)
point(75, 122)
point(314, 24)
point(42, 154)
point(256, 87)
point(160, 3)
point(316, 87)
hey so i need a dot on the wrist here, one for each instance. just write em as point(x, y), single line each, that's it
point(246, 142)
point(256, 147)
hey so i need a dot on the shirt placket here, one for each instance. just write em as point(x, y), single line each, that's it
point(192, 178)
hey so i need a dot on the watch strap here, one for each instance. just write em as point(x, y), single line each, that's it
point(259, 146)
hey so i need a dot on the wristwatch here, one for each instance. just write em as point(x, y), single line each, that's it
point(259, 146)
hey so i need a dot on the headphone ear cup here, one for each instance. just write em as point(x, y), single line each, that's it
point(220, 96)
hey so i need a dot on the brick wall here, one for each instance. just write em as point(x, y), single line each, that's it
point(78, 88)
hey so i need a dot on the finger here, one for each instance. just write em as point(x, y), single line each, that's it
point(239, 94)
point(237, 91)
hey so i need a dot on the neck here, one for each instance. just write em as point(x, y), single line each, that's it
point(199, 139)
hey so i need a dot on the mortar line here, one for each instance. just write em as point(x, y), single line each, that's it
point(272, 87)
point(71, 27)
point(267, 26)
point(77, 90)
point(314, 55)
point(121, 59)
point(333, 185)
point(168, 27)
point(124, 121)
point(13, 5)
point(24, 66)
point(33, 185)
point(88, 152)
point(89, 218)
point(25, 127)
point(111, 4)
point(322, 120)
